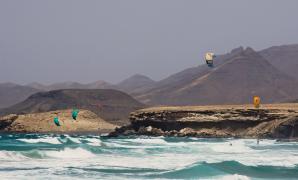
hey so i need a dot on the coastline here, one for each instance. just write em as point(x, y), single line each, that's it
point(270, 121)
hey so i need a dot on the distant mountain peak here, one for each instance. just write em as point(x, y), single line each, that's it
point(136, 77)
point(135, 83)
point(8, 84)
point(139, 76)
point(250, 52)
point(237, 50)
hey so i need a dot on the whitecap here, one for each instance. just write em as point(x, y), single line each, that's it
point(232, 177)
point(93, 141)
point(68, 153)
point(73, 139)
point(11, 156)
point(49, 140)
point(148, 140)
point(231, 147)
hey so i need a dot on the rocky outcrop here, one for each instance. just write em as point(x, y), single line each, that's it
point(270, 121)
point(87, 121)
point(7, 120)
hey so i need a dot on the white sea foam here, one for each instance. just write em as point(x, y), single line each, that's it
point(233, 177)
point(231, 147)
point(68, 153)
point(148, 141)
point(94, 142)
point(49, 140)
point(11, 156)
point(153, 153)
point(163, 162)
point(73, 139)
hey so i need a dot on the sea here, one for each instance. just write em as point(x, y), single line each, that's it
point(49, 156)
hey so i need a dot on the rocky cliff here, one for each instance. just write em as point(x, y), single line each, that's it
point(270, 121)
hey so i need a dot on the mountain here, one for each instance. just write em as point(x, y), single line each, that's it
point(111, 105)
point(38, 86)
point(11, 94)
point(185, 77)
point(293, 101)
point(99, 85)
point(284, 58)
point(71, 85)
point(235, 79)
point(135, 84)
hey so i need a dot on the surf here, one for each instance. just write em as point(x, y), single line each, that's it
point(81, 156)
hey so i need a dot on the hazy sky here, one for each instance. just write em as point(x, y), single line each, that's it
point(70, 40)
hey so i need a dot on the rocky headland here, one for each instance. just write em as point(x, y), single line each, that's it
point(87, 122)
point(243, 121)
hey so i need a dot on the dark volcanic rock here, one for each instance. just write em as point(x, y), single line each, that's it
point(7, 121)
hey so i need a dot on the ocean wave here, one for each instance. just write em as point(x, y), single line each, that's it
point(71, 140)
point(148, 141)
point(69, 153)
point(231, 147)
point(49, 140)
point(75, 140)
point(147, 157)
point(228, 170)
point(232, 177)
point(93, 141)
point(11, 156)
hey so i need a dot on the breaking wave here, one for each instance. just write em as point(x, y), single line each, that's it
point(92, 157)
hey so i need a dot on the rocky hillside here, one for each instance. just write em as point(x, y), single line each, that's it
point(43, 122)
point(235, 79)
point(111, 105)
point(71, 85)
point(285, 58)
point(182, 78)
point(270, 121)
point(135, 84)
point(11, 94)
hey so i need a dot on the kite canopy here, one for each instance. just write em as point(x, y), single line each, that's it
point(209, 58)
point(74, 114)
point(56, 121)
point(257, 101)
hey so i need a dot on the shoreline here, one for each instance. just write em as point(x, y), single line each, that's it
point(105, 135)
point(273, 121)
point(270, 121)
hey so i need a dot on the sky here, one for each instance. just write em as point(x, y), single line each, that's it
point(88, 40)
